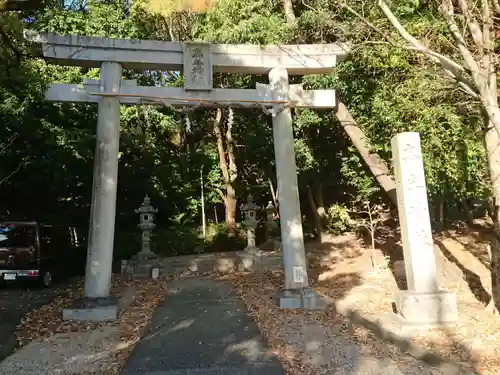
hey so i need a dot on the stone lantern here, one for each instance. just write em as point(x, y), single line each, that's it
point(145, 263)
point(250, 211)
point(147, 215)
point(271, 225)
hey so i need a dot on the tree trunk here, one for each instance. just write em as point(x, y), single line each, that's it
point(490, 208)
point(440, 214)
point(290, 15)
point(487, 87)
point(232, 175)
point(230, 197)
point(492, 142)
point(377, 166)
point(469, 218)
point(273, 193)
point(314, 211)
point(320, 201)
point(230, 203)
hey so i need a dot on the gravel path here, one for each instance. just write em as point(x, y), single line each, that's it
point(15, 302)
point(87, 350)
point(64, 354)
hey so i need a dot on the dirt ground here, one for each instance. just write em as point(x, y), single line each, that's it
point(137, 298)
point(341, 268)
point(355, 277)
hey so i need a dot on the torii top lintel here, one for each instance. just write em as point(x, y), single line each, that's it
point(86, 51)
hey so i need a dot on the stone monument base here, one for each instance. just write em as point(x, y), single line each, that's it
point(140, 266)
point(425, 310)
point(306, 298)
point(92, 310)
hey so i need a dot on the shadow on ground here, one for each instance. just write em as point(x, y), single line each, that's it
point(202, 327)
point(388, 241)
point(323, 261)
point(472, 279)
point(16, 300)
point(475, 241)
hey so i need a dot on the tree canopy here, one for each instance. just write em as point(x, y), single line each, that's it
point(387, 85)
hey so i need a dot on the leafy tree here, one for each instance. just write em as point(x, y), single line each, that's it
point(472, 27)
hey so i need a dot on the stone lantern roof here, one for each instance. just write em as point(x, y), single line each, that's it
point(250, 205)
point(270, 207)
point(146, 207)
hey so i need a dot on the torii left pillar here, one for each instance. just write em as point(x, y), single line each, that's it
point(97, 304)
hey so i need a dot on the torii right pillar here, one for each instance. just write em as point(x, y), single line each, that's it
point(297, 293)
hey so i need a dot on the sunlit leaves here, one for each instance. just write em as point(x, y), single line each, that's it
point(241, 21)
point(167, 7)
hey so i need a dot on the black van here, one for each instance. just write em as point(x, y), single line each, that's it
point(30, 251)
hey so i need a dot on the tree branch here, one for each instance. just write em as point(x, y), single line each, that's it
point(488, 49)
point(2, 151)
point(481, 75)
point(450, 67)
point(221, 194)
point(496, 6)
point(472, 23)
point(290, 15)
point(9, 44)
point(447, 11)
point(10, 174)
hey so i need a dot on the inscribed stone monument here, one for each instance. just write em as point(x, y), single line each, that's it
point(423, 303)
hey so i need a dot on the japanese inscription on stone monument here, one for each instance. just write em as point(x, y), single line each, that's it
point(414, 213)
point(197, 66)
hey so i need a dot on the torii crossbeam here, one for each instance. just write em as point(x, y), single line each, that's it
point(198, 61)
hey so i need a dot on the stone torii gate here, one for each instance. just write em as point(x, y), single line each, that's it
point(198, 61)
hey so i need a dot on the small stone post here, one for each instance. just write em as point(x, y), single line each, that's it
point(423, 304)
point(146, 216)
point(250, 211)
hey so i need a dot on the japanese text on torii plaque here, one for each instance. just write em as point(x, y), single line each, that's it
point(197, 66)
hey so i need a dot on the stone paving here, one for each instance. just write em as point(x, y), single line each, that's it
point(202, 327)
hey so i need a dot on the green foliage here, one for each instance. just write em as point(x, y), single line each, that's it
point(187, 239)
point(339, 219)
point(243, 21)
point(47, 149)
point(357, 175)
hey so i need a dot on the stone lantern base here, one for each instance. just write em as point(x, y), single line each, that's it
point(141, 266)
